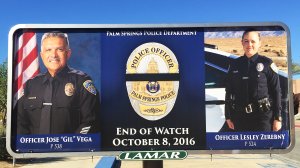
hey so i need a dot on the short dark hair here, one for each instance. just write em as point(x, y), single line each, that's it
point(250, 30)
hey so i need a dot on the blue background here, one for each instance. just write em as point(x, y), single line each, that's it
point(189, 109)
point(86, 50)
point(92, 144)
point(213, 144)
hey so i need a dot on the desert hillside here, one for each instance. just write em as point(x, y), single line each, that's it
point(272, 47)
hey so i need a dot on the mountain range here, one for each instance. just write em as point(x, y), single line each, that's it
point(238, 34)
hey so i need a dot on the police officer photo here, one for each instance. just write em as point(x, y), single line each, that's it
point(253, 95)
point(61, 100)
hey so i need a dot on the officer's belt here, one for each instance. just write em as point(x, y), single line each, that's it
point(251, 107)
point(246, 109)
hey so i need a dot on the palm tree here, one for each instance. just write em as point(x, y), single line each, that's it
point(3, 84)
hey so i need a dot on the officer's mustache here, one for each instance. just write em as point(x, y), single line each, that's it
point(53, 59)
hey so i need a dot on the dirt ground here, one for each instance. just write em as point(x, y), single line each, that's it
point(272, 47)
point(19, 163)
point(6, 164)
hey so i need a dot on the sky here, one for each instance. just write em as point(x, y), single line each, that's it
point(14, 12)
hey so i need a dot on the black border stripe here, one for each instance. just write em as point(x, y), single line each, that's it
point(214, 102)
point(153, 77)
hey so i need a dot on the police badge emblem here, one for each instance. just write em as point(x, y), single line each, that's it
point(260, 67)
point(152, 98)
point(69, 89)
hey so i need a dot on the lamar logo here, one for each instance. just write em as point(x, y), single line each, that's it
point(152, 80)
point(153, 155)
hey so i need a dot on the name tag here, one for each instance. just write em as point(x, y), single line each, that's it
point(245, 77)
point(47, 104)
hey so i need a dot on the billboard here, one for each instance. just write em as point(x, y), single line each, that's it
point(102, 89)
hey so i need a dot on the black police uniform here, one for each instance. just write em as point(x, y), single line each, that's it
point(253, 97)
point(66, 103)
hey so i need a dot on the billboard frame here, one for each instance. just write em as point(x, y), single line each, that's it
point(143, 26)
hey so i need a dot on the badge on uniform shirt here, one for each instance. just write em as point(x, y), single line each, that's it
point(69, 89)
point(260, 67)
point(274, 67)
point(89, 86)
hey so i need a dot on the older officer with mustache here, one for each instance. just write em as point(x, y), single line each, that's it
point(61, 100)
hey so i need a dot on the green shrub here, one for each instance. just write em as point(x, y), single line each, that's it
point(3, 152)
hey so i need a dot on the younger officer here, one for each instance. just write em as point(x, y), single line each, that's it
point(253, 98)
point(62, 100)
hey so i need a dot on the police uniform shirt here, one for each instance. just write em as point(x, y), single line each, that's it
point(73, 107)
point(252, 79)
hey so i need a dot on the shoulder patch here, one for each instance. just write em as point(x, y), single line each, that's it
point(274, 68)
point(89, 86)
